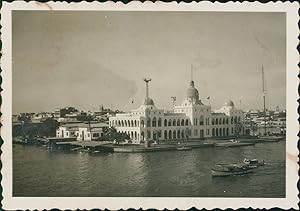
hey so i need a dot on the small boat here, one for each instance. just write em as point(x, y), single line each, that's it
point(253, 163)
point(233, 143)
point(220, 170)
point(271, 138)
point(183, 148)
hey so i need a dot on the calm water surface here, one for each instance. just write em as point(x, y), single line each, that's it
point(38, 172)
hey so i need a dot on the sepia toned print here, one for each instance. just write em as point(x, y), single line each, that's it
point(140, 103)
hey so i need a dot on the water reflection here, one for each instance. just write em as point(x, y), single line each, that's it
point(185, 173)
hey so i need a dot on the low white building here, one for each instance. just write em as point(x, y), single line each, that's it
point(82, 131)
point(192, 119)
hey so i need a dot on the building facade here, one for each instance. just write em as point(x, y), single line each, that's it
point(191, 119)
point(81, 131)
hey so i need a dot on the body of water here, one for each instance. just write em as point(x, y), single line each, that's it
point(38, 172)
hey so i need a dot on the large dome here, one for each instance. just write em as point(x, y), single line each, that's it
point(148, 101)
point(192, 93)
point(229, 103)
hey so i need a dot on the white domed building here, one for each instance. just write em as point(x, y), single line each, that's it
point(191, 119)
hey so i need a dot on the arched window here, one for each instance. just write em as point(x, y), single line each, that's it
point(213, 132)
point(178, 133)
point(166, 135)
point(217, 121)
point(154, 122)
point(223, 120)
point(174, 134)
point(131, 135)
point(159, 122)
point(170, 134)
point(231, 120)
point(148, 134)
point(178, 122)
point(213, 121)
point(224, 133)
point(142, 123)
point(220, 131)
point(217, 132)
point(201, 120)
point(174, 122)
point(182, 134)
point(227, 131)
point(235, 119)
point(166, 123)
point(142, 136)
point(170, 122)
point(148, 122)
point(182, 122)
point(186, 122)
point(226, 120)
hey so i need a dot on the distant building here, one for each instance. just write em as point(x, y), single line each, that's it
point(191, 119)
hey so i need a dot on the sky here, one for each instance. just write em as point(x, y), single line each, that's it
point(90, 58)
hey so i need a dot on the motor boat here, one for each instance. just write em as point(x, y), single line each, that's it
point(220, 170)
point(253, 163)
point(183, 148)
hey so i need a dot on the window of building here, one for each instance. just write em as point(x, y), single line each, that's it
point(201, 120)
point(95, 135)
point(154, 122)
point(159, 122)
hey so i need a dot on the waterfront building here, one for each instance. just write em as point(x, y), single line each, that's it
point(191, 119)
point(82, 131)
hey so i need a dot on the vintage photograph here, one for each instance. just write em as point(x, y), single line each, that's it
point(149, 104)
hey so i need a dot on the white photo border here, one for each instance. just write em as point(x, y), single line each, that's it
point(113, 203)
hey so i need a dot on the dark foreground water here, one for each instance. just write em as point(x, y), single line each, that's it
point(37, 172)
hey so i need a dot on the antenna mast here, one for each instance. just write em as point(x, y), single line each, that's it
point(147, 80)
point(264, 98)
point(191, 72)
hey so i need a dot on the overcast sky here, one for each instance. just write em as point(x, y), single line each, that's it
point(85, 59)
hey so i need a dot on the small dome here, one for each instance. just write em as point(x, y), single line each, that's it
point(229, 103)
point(192, 93)
point(148, 101)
